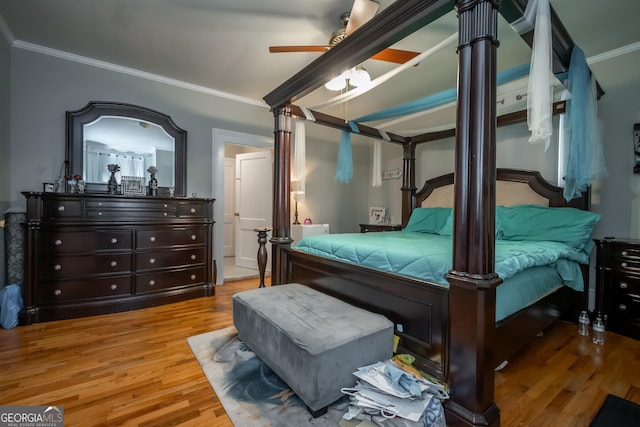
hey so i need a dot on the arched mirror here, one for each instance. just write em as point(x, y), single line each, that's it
point(133, 137)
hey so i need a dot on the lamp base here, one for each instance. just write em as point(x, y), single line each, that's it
point(296, 222)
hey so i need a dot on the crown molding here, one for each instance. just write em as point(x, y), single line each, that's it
point(605, 56)
point(133, 72)
point(6, 31)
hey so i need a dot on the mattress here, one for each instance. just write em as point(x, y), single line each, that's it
point(530, 270)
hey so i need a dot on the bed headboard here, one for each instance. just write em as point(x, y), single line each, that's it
point(513, 187)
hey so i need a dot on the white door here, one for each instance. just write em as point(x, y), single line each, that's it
point(253, 204)
point(229, 205)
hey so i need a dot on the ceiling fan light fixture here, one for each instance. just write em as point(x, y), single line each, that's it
point(359, 77)
point(356, 77)
point(336, 83)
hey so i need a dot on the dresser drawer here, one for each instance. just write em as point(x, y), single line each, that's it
point(75, 290)
point(59, 267)
point(191, 209)
point(62, 208)
point(626, 251)
point(65, 242)
point(622, 283)
point(165, 259)
point(132, 208)
point(158, 281)
point(169, 237)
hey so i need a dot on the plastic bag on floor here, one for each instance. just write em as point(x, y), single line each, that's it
point(10, 305)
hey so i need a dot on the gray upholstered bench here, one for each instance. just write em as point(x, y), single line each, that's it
point(313, 341)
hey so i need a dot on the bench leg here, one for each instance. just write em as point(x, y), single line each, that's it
point(320, 412)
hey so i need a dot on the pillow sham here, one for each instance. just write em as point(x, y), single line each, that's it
point(427, 220)
point(539, 223)
point(447, 229)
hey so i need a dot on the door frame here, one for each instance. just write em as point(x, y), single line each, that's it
point(220, 137)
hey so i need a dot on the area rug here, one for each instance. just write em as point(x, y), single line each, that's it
point(251, 394)
point(616, 411)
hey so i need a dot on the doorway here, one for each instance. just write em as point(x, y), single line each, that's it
point(228, 228)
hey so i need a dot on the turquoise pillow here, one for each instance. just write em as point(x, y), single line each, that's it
point(427, 220)
point(447, 229)
point(539, 223)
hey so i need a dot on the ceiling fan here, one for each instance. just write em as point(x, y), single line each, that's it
point(361, 12)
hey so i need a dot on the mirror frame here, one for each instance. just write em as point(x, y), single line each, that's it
point(94, 109)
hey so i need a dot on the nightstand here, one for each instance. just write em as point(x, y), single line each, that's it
point(366, 228)
point(298, 231)
point(618, 284)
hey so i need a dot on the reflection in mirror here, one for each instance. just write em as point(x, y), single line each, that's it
point(133, 137)
point(133, 144)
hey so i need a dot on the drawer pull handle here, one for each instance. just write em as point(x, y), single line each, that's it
point(113, 263)
point(623, 285)
point(152, 239)
point(152, 282)
point(166, 206)
point(193, 237)
point(193, 277)
point(622, 307)
point(99, 203)
point(152, 261)
point(192, 210)
point(165, 214)
point(193, 257)
point(624, 265)
point(57, 267)
point(100, 213)
point(114, 240)
point(624, 253)
point(60, 208)
point(58, 242)
point(57, 292)
point(114, 287)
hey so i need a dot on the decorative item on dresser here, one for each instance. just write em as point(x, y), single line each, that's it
point(618, 284)
point(89, 254)
point(365, 228)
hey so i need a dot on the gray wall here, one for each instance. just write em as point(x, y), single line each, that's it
point(42, 88)
point(45, 87)
point(5, 135)
point(5, 130)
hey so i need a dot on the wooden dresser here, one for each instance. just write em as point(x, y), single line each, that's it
point(618, 284)
point(89, 254)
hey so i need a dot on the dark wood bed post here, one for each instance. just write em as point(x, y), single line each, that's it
point(408, 180)
point(280, 238)
point(473, 280)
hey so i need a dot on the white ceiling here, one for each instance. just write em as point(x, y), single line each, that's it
point(223, 45)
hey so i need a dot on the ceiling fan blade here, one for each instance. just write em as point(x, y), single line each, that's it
point(361, 12)
point(313, 48)
point(395, 55)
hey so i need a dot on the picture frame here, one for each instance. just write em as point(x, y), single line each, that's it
point(133, 185)
point(377, 215)
point(48, 187)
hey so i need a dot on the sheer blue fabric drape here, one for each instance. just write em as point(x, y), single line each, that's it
point(585, 159)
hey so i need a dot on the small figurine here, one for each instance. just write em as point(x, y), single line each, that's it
point(307, 221)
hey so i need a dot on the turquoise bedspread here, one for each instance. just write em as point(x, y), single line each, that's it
point(429, 257)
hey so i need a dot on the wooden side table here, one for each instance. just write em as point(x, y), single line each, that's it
point(367, 228)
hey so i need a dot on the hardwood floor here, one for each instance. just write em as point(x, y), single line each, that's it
point(136, 368)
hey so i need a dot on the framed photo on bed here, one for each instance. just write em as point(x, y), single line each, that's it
point(377, 215)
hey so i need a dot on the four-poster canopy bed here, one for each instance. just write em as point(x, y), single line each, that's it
point(452, 331)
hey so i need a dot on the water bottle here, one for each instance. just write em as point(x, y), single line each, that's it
point(583, 323)
point(598, 331)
